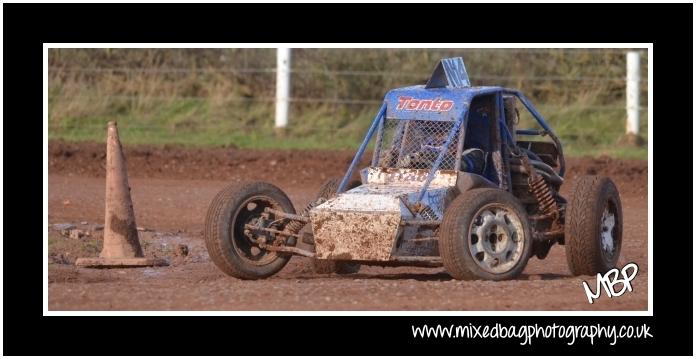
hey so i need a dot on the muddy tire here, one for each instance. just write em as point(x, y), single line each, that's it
point(485, 234)
point(229, 248)
point(326, 266)
point(593, 226)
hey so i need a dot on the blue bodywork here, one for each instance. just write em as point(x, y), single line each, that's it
point(448, 97)
point(460, 96)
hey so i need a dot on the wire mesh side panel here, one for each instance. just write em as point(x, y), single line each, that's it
point(416, 144)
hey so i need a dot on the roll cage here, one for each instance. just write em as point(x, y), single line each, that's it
point(389, 111)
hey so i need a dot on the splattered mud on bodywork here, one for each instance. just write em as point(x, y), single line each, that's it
point(365, 223)
point(405, 176)
point(354, 235)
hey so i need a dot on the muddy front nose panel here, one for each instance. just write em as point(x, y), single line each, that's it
point(356, 227)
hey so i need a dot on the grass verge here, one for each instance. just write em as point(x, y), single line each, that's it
point(584, 130)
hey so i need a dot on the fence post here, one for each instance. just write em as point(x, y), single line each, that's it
point(632, 93)
point(282, 88)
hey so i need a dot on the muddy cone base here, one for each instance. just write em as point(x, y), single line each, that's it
point(120, 262)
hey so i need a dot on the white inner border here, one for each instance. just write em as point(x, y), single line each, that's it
point(648, 46)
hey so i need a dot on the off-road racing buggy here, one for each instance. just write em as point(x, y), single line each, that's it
point(452, 182)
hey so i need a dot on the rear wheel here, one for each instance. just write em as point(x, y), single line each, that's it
point(231, 246)
point(327, 266)
point(594, 226)
point(485, 234)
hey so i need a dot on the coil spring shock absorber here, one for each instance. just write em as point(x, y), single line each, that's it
point(296, 226)
point(427, 213)
point(540, 189)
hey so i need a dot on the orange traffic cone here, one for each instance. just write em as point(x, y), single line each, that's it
point(121, 241)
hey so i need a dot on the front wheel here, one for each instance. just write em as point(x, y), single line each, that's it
point(231, 246)
point(485, 234)
point(594, 225)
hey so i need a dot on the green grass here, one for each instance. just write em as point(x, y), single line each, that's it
point(205, 103)
point(584, 130)
point(593, 131)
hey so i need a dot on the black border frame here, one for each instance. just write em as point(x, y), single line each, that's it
point(28, 26)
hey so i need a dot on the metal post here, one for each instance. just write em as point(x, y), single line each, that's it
point(632, 93)
point(282, 88)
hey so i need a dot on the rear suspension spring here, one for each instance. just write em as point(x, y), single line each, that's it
point(541, 191)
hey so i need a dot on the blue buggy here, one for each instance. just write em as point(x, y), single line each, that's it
point(452, 182)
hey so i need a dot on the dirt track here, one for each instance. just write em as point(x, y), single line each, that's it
point(172, 187)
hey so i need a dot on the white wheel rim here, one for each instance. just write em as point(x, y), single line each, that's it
point(496, 239)
point(607, 239)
